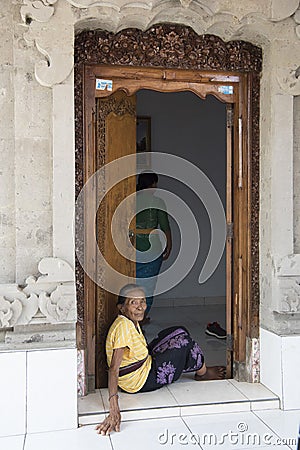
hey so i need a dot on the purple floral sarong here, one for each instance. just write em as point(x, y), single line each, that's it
point(173, 352)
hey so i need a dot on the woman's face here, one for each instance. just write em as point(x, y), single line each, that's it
point(134, 307)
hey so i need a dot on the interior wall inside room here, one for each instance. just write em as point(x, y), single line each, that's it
point(185, 125)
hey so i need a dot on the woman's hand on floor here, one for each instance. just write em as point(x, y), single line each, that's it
point(111, 423)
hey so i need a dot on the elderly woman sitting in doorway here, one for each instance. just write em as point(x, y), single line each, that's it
point(136, 367)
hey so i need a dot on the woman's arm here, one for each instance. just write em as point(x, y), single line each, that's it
point(168, 248)
point(163, 221)
point(113, 420)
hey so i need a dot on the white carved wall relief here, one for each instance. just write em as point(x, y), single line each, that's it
point(57, 63)
point(52, 23)
point(49, 298)
point(289, 284)
point(39, 10)
point(15, 306)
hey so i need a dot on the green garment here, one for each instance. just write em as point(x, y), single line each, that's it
point(154, 217)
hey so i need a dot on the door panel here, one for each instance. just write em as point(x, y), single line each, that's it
point(116, 137)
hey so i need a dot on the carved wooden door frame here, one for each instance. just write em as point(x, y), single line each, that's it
point(202, 58)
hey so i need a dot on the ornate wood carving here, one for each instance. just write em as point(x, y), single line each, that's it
point(119, 106)
point(254, 332)
point(166, 46)
point(169, 46)
point(79, 177)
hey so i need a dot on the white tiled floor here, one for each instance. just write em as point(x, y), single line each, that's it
point(236, 430)
point(242, 430)
point(281, 422)
point(12, 442)
point(84, 438)
point(193, 393)
point(195, 319)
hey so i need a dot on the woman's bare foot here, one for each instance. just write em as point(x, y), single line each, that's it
point(211, 373)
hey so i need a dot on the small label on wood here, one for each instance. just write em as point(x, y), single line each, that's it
point(101, 85)
point(227, 90)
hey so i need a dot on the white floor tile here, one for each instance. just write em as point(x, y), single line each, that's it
point(84, 438)
point(208, 301)
point(192, 301)
point(254, 391)
point(162, 303)
point(151, 413)
point(12, 442)
point(220, 408)
point(203, 392)
point(242, 430)
point(215, 357)
point(156, 399)
point(186, 377)
point(284, 423)
point(91, 419)
point(262, 405)
point(150, 435)
point(13, 393)
point(91, 403)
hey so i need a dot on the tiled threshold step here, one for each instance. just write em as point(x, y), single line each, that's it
point(186, 397)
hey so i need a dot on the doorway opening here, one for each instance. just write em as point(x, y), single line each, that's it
point(184, 125)
point(228, 71)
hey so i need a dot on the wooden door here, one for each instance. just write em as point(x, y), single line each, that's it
point(115, 138)
point(95, 312)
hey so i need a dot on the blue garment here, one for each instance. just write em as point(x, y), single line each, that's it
point(147, 270)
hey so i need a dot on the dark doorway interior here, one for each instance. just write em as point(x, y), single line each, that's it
point(184, 125)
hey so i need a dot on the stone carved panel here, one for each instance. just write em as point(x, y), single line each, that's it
point(49, 298)
point(288, 273)
point(289, 289)
point(296, 18)
point(59, 306)
point(15, 306)
point(39, 10)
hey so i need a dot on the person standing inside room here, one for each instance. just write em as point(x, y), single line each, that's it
point(151, 216)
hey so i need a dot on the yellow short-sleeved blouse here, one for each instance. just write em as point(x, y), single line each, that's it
point(123, 333)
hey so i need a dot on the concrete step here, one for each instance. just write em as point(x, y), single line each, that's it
point(186, 397)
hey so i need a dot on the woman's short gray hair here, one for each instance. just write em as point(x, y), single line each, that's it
point(125, 291)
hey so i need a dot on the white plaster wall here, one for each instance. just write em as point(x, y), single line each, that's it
point(33, 159)
point(276, 177)
point(296, 185)
point(7, 148)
